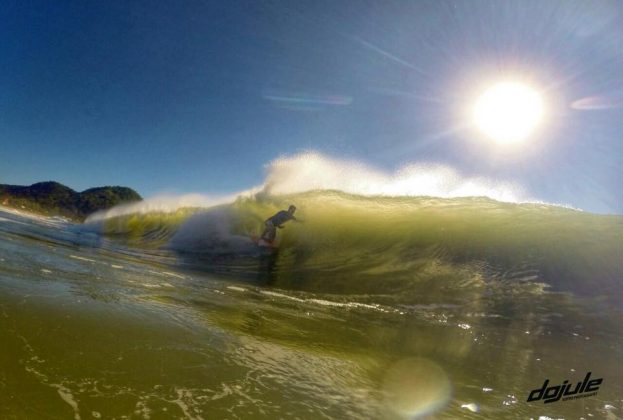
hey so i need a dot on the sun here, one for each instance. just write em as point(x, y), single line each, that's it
point(508, 112)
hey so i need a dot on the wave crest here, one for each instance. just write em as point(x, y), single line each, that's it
point(312, 171)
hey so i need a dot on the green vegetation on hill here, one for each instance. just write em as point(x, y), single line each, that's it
point(54, 199)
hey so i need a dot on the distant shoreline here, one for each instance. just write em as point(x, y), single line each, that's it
point(52, 199)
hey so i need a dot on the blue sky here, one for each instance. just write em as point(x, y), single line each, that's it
point(189, 96)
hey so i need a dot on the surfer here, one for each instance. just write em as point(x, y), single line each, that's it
point(276, 221)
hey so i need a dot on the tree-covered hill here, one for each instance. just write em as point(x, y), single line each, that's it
point(54, 199)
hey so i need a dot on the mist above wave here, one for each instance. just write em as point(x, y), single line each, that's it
point(314, 171)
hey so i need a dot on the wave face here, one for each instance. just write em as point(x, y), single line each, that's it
point(398, 246)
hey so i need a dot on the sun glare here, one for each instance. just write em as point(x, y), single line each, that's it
point(508, 112)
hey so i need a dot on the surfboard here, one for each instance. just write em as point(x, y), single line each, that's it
point(263, 243)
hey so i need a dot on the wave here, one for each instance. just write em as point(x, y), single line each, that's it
point(393, 245)
point(310, 171)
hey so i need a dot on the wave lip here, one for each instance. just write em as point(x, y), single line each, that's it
point(311, 171)
point(161, 204)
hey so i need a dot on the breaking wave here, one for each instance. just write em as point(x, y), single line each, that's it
point(311, 171)
point(350, 243)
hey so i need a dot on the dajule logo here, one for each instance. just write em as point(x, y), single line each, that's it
point(586, 388)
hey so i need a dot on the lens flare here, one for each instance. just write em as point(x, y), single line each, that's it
point(416, 387)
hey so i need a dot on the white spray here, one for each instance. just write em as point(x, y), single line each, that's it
point(313, 171)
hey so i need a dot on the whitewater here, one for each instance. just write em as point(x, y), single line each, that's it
point(398, 295)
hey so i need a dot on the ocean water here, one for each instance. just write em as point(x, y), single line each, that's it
point(410, 307)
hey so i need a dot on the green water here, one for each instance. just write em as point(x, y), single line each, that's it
point(371, 308)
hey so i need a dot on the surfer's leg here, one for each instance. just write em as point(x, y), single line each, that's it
point(270, 235)
point(269, 232)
